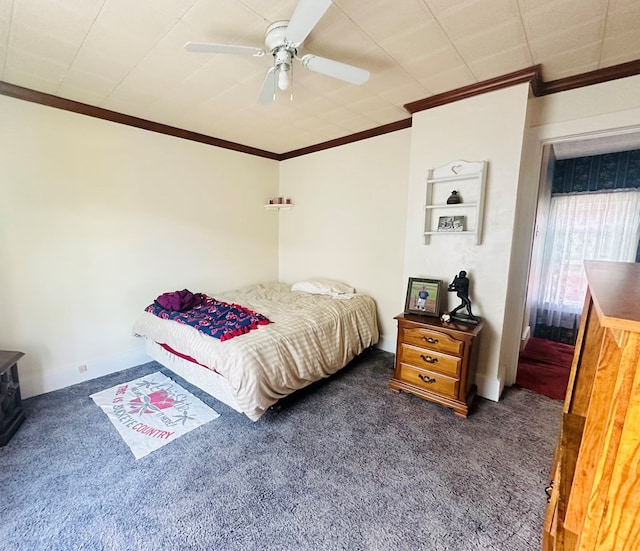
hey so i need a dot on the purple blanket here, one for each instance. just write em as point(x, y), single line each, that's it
point(212, 317)
point(180, 301)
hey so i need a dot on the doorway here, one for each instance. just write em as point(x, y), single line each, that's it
point(572, 169)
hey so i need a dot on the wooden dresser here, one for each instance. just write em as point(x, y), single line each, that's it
point(436, 360)
point(11, 412)
point(595, 491)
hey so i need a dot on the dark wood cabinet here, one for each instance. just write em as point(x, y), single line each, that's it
point(436, 360)
point(11, 412)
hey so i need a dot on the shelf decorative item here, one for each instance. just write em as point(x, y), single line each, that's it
point(454, 198)
point(460, 286)
point(277, 203)
point(423, 297)
point(451, 223)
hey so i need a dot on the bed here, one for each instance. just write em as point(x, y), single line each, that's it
point(311, 336)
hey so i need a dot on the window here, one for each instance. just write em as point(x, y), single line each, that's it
point(582, 226)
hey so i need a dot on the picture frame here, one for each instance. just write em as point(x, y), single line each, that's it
point(451, 223)
point(417, 303)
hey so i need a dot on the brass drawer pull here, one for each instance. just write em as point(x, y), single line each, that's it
point(429, 359)
point(426, 379)
point(430, 340)
point(548, 491)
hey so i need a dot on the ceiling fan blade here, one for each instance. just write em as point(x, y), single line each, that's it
point(208, 48)
point(335, 69)
point(268, 91)
point(306, 16)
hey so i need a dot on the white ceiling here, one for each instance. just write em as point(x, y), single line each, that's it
point(599, 145)
point(128, 56)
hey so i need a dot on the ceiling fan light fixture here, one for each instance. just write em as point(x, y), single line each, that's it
point(282, 58)
point(283, 79)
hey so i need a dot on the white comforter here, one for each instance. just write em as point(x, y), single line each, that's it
point(311, 337)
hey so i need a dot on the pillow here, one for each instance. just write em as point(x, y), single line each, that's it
point(323, 287)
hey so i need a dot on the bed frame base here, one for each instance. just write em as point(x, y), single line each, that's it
point(209, 381)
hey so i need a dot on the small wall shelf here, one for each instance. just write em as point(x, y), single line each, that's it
point(278, 206)
point(464, 218)
point(279, 203)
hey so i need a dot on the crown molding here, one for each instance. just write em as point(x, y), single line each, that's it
point(532, 75)
point(49, 100)
point(378, 131)
point(629, 69)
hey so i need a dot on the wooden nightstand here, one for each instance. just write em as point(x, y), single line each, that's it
point(436, 360)
point(11, 412)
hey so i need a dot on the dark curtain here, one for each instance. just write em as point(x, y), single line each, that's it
point(597, 173)
point(565, 335)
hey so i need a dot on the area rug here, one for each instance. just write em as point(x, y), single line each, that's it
point(152, 411)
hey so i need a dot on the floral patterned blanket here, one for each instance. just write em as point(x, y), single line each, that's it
point(212, 317)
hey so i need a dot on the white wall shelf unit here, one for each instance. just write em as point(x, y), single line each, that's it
point(468, 179)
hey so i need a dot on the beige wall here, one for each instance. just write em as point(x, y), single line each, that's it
point(600, 107)
point(517, 281)
point(97, 219)
point(348, 222)
point(491, 128)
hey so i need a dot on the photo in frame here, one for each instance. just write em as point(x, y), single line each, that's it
point(423, 297)
point(451, 223)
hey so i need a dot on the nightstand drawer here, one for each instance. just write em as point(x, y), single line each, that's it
point(433, 382)
point(431, 360)
point(433, 340)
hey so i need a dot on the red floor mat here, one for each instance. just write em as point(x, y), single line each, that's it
point(544, 367)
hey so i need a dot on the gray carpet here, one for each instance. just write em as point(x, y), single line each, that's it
point(347, 465)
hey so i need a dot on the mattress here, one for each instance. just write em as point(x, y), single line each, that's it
point(310, 338)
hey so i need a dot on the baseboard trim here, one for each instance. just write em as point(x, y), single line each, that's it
point(526, 335)
point(41, 383)
point(489, 387)
point(388, 344)
point(48, 381)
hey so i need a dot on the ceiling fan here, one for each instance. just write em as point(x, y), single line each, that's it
point(282, 40)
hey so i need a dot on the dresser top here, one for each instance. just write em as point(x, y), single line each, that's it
point(437, 323)
point(8, 358)
point(615, 291)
